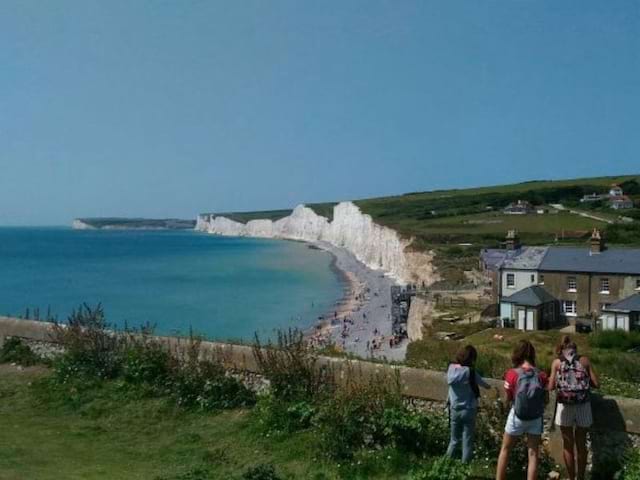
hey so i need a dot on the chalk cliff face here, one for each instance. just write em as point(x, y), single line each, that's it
point(378, 247)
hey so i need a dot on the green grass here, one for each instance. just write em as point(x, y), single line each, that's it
point(113, 432)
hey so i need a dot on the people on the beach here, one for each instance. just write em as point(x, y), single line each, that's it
point(525, 387)
point(572, 376)
point(463, 381)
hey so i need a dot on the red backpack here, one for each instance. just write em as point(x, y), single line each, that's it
point(573, 383)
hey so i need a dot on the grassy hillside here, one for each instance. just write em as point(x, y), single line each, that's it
point(474, 215)
point(139, 223)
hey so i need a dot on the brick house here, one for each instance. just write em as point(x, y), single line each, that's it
point(584, 281)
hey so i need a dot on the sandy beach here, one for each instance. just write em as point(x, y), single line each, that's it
point(362, 318)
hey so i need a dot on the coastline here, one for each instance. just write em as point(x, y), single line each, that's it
point(362, 317)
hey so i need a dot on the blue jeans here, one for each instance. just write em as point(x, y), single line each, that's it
point(463, 426)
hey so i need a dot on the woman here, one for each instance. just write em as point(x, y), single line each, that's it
point(525, 386)
point(463, 383)
point(572, 376)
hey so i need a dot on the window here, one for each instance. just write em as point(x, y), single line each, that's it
point(541, 279)
point(638, 284)
point(569, 308)
point(604, 285)
point(572, 284)
point(533, 278)
point(511, 280)
point(604, 306)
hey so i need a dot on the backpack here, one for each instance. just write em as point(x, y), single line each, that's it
point(573, 381)
point(529, 397)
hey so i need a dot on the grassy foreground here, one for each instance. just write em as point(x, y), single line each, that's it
point(111, 436)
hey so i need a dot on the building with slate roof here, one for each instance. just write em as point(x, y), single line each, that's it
point(532, 308)
point(584, 281)
point(624, 315)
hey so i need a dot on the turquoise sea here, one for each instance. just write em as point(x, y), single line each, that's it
point(221, 287)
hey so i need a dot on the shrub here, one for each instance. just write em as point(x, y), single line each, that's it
point(292, 369)
point(443, 468)
point(90, 349)
point(196, 473)
point(145, 361)
point(631, 468)
point(615, 340)
point(275, 416)
point(415, 432)
point(15, 351)
point(204, 383)
point(261, 472)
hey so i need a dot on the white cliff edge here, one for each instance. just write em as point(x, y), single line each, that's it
point(80, 225)
point(378, 247)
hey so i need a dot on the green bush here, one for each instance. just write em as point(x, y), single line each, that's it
point(261, 472)
point(274, 416)
point(90, 348)
point(15, 351)
point(292, 368)
point(615, 340)
point(443, 468)
point(415, 432)
point(145, 361)
point(196, 473)
point(631, 468)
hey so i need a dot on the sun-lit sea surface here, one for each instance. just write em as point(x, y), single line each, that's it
point(224, 288)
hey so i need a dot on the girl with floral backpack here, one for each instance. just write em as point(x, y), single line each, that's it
point(572, 376)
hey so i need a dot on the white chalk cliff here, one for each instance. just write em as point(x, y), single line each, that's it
point(378, 247)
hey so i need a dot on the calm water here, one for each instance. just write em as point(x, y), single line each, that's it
point(224, 288)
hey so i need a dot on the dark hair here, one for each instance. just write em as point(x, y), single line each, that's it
point(524, 350)
point(466, 356)
point(564, 344)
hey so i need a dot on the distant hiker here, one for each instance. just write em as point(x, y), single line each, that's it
point(572, 376)
point(463, 383)
point(526, 391)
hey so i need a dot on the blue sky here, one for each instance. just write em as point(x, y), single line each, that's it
point(172, 108)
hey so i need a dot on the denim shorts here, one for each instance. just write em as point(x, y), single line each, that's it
point(516, 427)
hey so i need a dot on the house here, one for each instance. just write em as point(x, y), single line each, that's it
point(615, 191)
point(620, 202)
point(521, 207)
point(622, 315)
point(584, 281)
point(531, 308)
point(593, 197)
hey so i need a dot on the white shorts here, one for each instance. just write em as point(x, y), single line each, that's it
point(517, 427)
point(574, 415)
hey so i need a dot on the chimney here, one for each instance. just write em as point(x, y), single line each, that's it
point(597, 242)
point(512, 241)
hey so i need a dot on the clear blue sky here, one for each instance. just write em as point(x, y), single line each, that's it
point(170, 108)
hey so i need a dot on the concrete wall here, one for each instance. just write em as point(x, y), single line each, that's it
point(610, 413)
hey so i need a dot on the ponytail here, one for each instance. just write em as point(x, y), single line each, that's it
point(564, 344)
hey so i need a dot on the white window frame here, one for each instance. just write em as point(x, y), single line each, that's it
point(512, 283)
point(638, 284)
point(540, 279)
point(603, 290)
point(572, 311)
point(572, 280)
point(533, 279)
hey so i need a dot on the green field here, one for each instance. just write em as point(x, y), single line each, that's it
point(472, 215)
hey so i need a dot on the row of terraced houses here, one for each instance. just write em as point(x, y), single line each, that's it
point(553, 287)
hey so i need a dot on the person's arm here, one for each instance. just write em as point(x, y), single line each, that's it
point(554, 374)
point(595, 382)
point(480, 381)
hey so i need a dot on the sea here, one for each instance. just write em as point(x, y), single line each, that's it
point(178, 282)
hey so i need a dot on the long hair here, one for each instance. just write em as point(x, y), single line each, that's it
point(524, 350)
point(565, 344)
point(467, 356)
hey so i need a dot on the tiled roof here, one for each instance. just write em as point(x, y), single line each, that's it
point(525, 258)
point(530, 296)
point(575, 259)
point(629, 304)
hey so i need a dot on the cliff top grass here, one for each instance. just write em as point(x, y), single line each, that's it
point(474, 215)
point(121, 222)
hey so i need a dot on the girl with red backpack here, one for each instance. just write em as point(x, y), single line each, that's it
point(525, 387)
point(572, 376)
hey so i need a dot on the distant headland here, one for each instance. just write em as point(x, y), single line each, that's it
point(115, 223)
